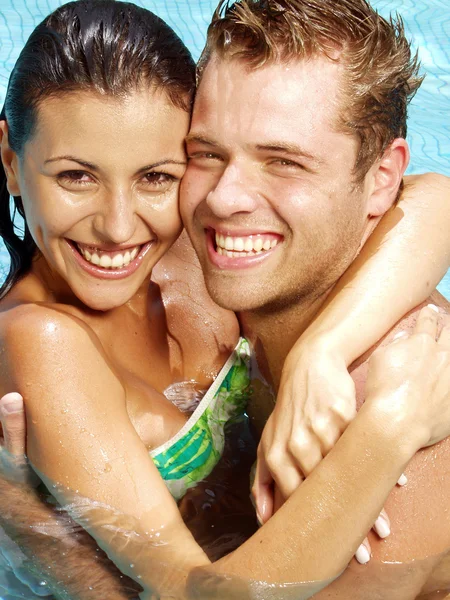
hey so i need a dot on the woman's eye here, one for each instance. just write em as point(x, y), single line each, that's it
point(158, 181)
point(75, 178)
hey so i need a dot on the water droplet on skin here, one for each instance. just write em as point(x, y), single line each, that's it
point(108, 468)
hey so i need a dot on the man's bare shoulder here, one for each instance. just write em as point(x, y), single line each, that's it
point(418, 511)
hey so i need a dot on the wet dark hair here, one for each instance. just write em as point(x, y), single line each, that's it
point(104, 46)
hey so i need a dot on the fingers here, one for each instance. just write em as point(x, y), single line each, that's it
point(306, 450)
point(328, 432)
point(363, 553)
point(262, 491)
point(12, 416)
point(403, 480)
point(382, 525)
point(284, 471)
point(444, 336)
point(401, 335)
point(427, 321)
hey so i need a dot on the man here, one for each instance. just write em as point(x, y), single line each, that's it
point(281, 166)
point(296, 149)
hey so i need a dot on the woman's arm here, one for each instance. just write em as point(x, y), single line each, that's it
point(82, 441)
point(59, 557)
point(401, 263)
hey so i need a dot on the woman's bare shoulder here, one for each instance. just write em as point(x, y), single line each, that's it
point(25, 323)
point(43, 346)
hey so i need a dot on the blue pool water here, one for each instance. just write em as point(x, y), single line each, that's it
point(426, 23)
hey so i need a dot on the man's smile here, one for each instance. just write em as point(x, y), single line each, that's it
point(231, 250)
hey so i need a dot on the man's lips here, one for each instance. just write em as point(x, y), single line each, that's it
point(235, 246)
point(228, 250)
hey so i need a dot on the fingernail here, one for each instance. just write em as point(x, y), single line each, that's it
point(433, 307)
point(403, 480)
point(258, 518)
point(399, 335)
point(362, 555)
point(382, 528)
point(11, 405)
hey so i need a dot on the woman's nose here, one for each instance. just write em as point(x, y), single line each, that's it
point(117, 221)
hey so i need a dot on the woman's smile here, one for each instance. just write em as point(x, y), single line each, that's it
point(110, 264)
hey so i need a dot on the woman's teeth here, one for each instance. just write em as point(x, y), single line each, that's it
point(109, 260)
point(235, 247)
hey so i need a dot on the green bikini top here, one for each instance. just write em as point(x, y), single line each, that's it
point(195, 450)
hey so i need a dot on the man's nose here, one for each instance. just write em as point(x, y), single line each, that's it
point(117, 221)
point(234, 193)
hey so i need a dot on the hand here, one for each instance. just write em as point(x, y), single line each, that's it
point(315, 403)
point(14, 465)
point(303, 429)
point(410, 378)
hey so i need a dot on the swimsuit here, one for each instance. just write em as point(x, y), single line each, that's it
point(195, 450)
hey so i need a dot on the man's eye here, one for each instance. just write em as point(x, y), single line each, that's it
point(204, 156)
point(283, 162)
point(75, 178)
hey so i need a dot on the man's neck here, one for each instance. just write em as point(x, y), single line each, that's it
point(274, 332)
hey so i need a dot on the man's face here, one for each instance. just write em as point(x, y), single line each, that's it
point(269, 198)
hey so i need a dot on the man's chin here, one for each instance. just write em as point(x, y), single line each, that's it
point(236, 298)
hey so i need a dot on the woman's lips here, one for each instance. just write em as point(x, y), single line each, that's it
point(107, 264)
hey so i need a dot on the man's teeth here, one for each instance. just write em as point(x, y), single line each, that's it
point(109, 260)
point(235, 247)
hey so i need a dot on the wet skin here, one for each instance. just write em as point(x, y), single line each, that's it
point(105, 172)
point(267, 158)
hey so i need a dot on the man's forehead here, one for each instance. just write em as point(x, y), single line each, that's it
point(276, 102)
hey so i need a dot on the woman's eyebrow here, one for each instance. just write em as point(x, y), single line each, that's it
point(93, 167)
point(84, 163)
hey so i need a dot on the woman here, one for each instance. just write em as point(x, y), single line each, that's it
point(92, 147)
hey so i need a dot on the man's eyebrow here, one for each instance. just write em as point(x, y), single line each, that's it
point(287, 148)
point(193, 138)
point(92, 167)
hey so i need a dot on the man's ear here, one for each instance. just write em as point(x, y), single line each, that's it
point(387, 177)
point(9, 160)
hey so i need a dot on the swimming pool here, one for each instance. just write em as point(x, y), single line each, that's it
point(429, 129)
point(429, 124)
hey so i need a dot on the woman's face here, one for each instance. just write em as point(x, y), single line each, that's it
point(99, 181)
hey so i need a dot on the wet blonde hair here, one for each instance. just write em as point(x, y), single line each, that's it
point(380, 74)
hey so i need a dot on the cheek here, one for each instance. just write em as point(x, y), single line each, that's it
point(195, 187)
point(166, 220)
